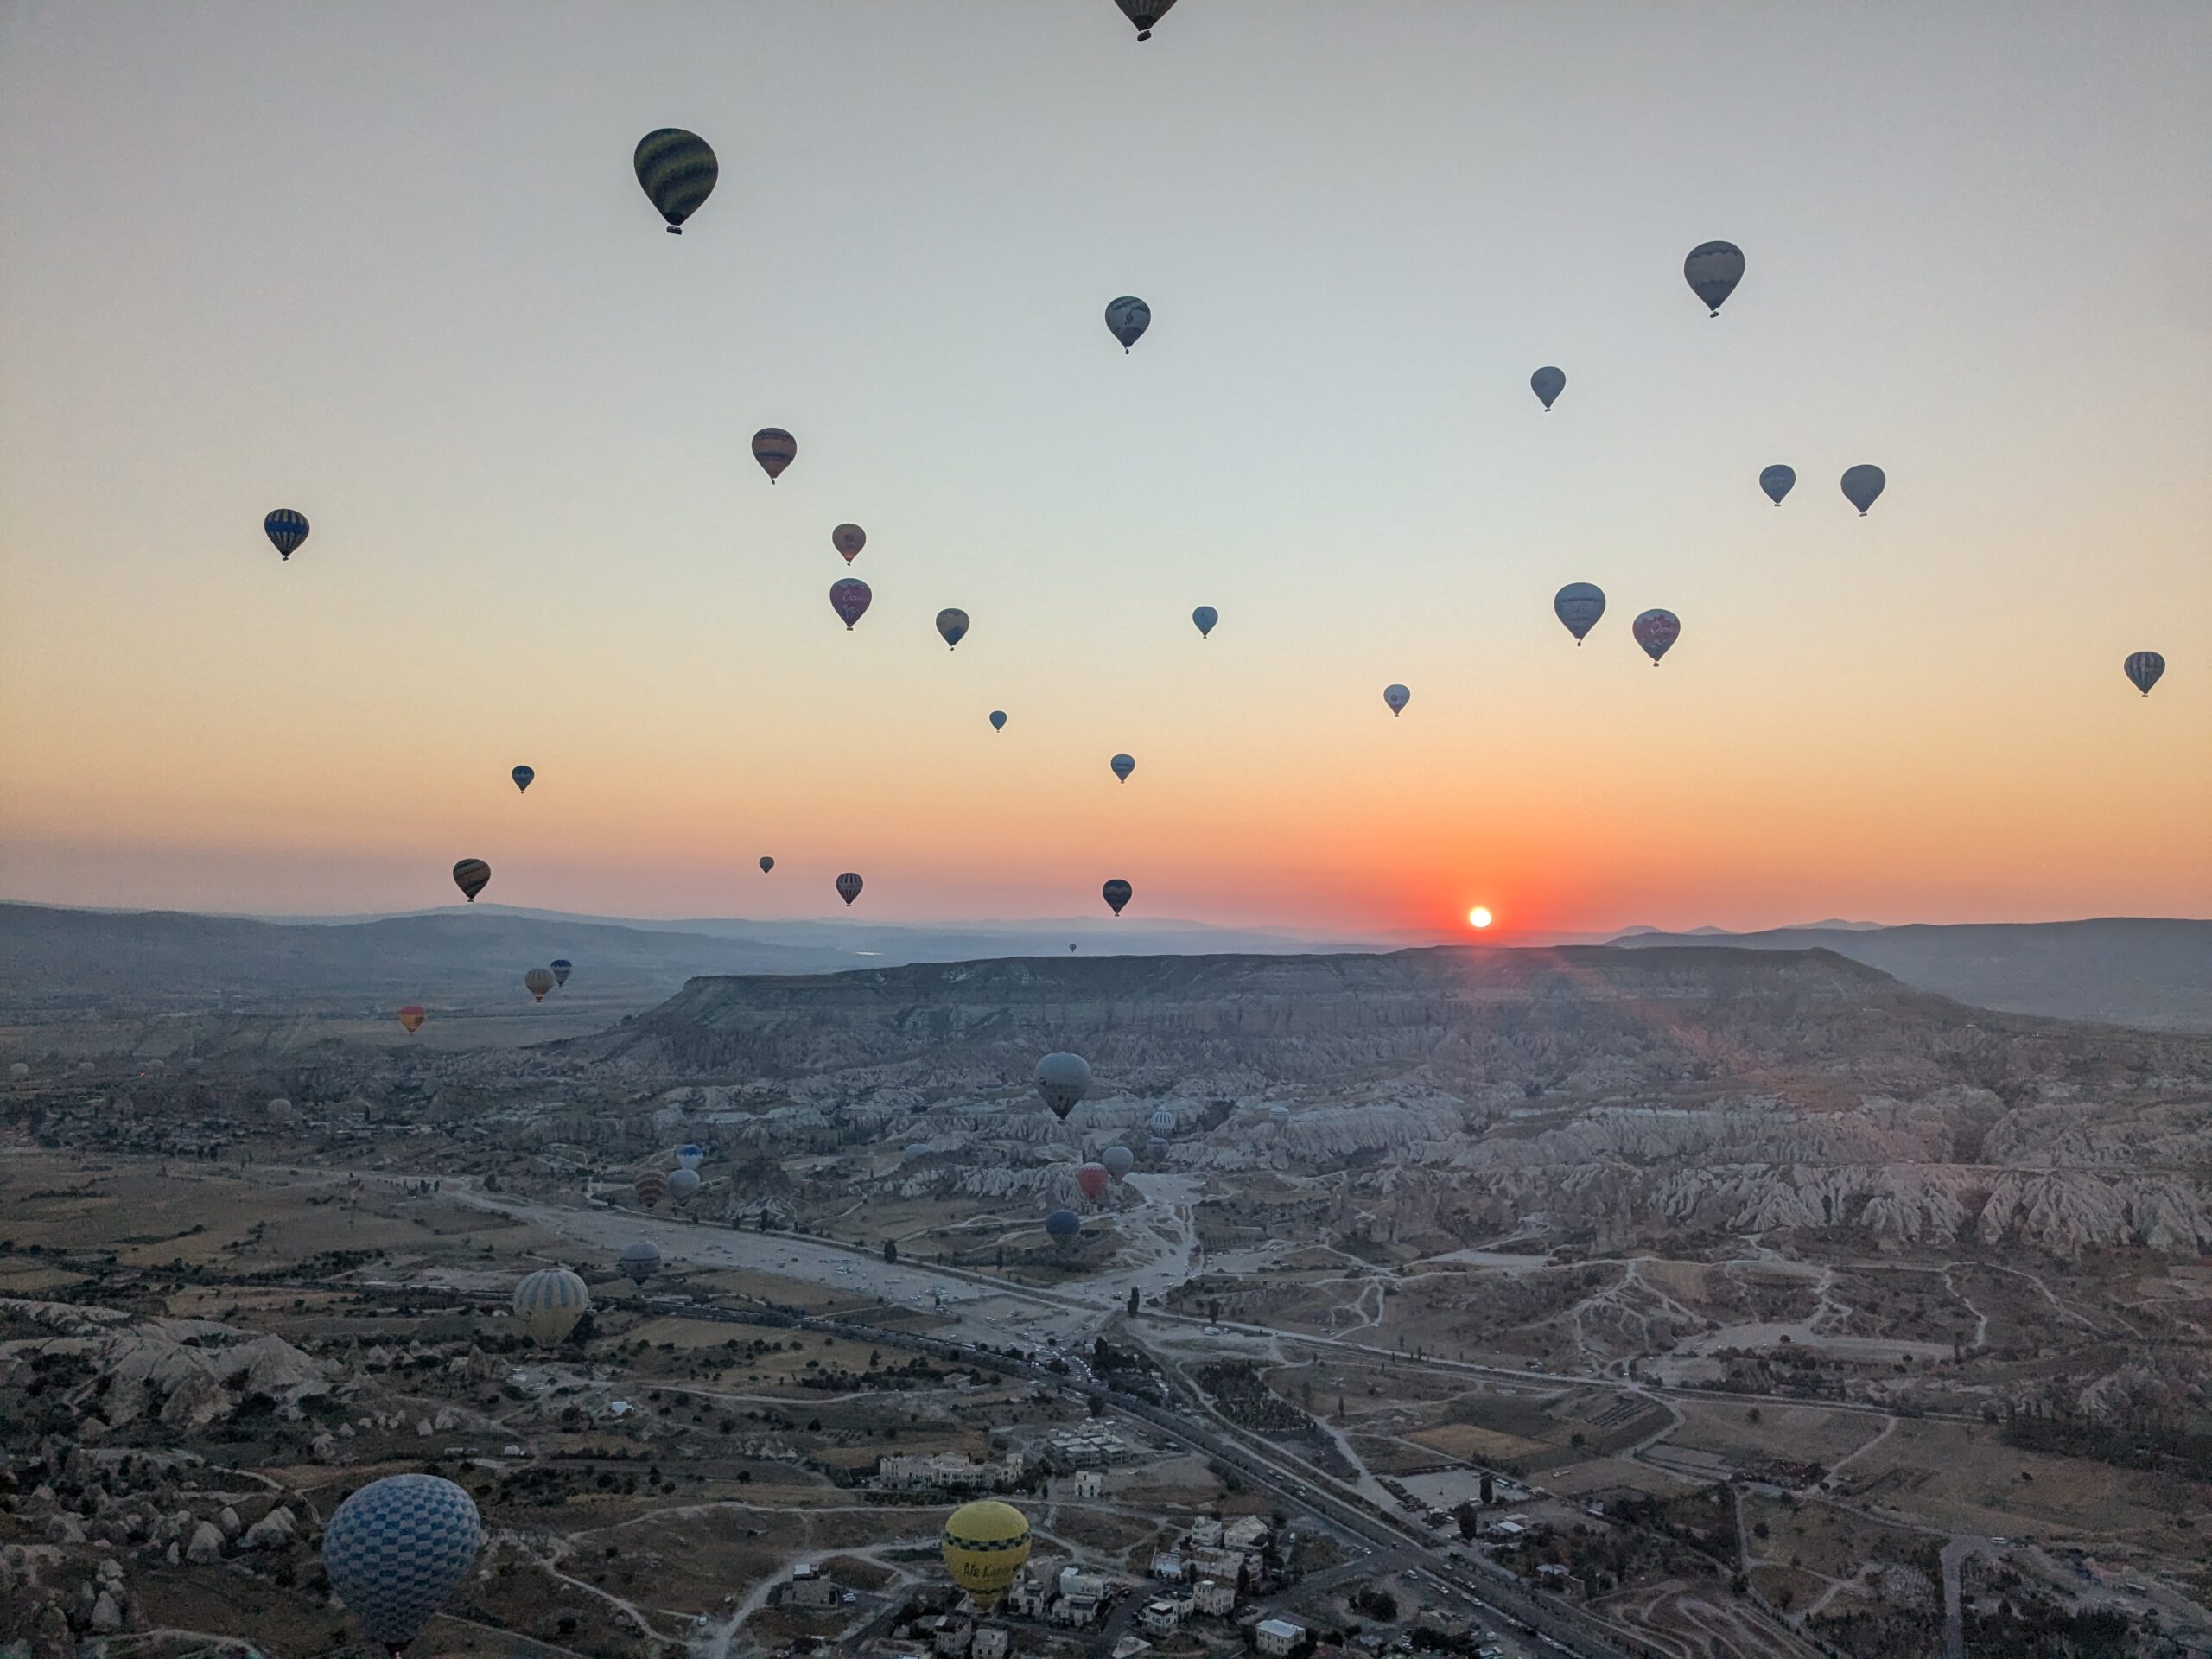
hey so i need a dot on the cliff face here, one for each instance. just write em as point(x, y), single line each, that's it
point(1600, 1093)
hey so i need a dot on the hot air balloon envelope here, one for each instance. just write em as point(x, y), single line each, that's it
point(640, 1261)
point(683, 1185)
point(1144, 14)
point(1155, 1146)
point(1116, 893)
point(1127, 319)
point(1092, 1180)
point(538, 982)
point(412, 1017)
point(2144, 668)
point(1547, 383)
point(775, 449)
point(952, 626)
point(1062, 1080)
point(766, 865)
point(1162, 1122)
point(561, 968)
point(522, 775)
point(849, 539)
point(1119, 1161)
point(1397, 697)
point(548, 1303)
point(1205, 617)
point(1656, 631)
point(286, 530)
point(689, 1156)
point(998, 720)
point(678, 171)
point(472, 876)
point(1777, 481)
point(1578, 605)
point(394, 1550)
point(1862, 485)
point(1063, 1224)
point(1123, 765)
point(848, 888)
point(850, 599)
point(986, 1545)
point(650, 1186)
point(1713, 270)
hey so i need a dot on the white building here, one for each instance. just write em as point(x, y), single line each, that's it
point(945, 1471)
point(989, 1643)
point(1164, 1614)
point(1277, 1638)
point(1205, 1535)
point(1214, 1599)
point(1088, 1483)
point(1246, 1532)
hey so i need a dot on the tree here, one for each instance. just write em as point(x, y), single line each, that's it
point(1469, 1520)
point(1489, 1489)
point(1133, 1299)
point(890, 1252)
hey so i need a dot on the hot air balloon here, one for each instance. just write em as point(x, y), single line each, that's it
point(1062, 1080)
point(1062, 1226)
point(1578, 605)
point(1206, 616)
point(1144, 14)
point(522, 775)
point(1713, 270)
point(472, 876)
point(640, 1261)
point(1547, 383)
point(849, 600)
point(1155, 1146)
point(1123, 765)
point(766, 865)
point(998, 720)
point(775, 449)
point(917, 1150)
point(1397, 697)
point(395, 1550)
point(677, 170)
point(1092, 1180)
point(1162, 1122)
point(538, 982)
point(650, 1186)
point(848, 888)
point(1863, 485)
point(952, 627)
point(411, 1017)
point(561, 968)
point(1777, 481)
point(1119, 1161)
point(1655, 631)
point(1278, 1114)
point(690, 1155)
point(683, 1185)
point(548, 1303)
point(1116, 893)
point(1127, 319)
point(2144, 668)
point(286, 528)
point(986, 1546)
point(849, 539)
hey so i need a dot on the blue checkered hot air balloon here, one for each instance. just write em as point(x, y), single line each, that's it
point(397, 1549)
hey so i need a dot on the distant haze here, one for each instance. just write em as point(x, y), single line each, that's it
point(388, 266)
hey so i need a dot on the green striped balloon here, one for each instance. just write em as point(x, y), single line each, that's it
point(677, 170)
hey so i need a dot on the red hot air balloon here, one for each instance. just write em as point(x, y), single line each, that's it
point(849, 539)
point(848, 888)
point(775, 449)
point(651, 1187)
point(1092, 1178)
point(850, 599)
point(412, 1017)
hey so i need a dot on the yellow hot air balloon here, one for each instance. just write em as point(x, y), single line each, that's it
point(548, 1303)
point(986, 1544)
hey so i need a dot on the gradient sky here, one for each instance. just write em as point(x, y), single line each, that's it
point(386, 263)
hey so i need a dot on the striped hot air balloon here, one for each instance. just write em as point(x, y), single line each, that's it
point(848, 888)
point(548, 1304)
point(396, 1548)
point(2144, 668)
point(538, 982)
point(286, 528)
point(775, 449)
point(678, 171)
point(650, 1186)
point(1713, 269)
point(472, 876)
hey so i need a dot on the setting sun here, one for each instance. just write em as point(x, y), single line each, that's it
point(1478, 917)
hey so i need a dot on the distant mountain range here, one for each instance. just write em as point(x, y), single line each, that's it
point(2130, 971)
point(2120, 970)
